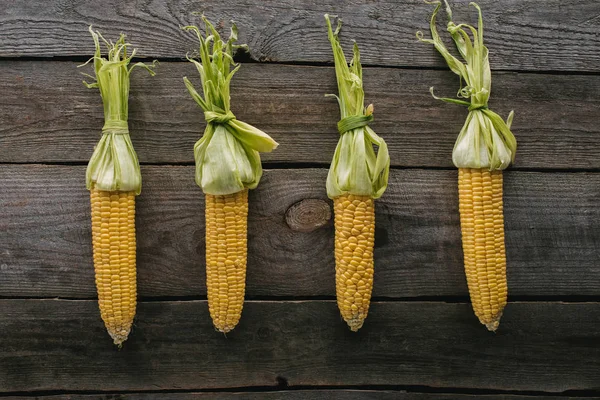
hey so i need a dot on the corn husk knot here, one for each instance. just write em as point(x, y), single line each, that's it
point(352, 122)
point(227, 156)
point(356, 168)
point(218, 118)
point(118, 127)
point(485, 140)
point(475, 107)
point(114, 164)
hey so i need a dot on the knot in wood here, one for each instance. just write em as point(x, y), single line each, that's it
point(308, 215)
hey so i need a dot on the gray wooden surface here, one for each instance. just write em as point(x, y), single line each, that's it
point(299, 343)
point(339, 394)
point(421, 339)
point(50, 116)
point(555, 35)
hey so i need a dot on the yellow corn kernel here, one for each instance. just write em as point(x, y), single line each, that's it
point(354, 240)
point(226, 256)
point(482, 227)
point(113, 237)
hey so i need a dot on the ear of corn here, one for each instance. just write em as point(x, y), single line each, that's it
point(227, 165)
point(357, 176)
point(485, 147)
point(482, 225)
point(226, 255)
point(113, 238)
point(354, 240)
point(114, 179)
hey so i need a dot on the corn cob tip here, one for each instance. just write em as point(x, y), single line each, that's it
point(355, 324)
point(224, 328)
point(119, 336)
point(493, 324)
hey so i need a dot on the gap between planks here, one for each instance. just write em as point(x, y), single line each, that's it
point(307, 299)
point(243, 59)
point(283, 388)
point(302, 165)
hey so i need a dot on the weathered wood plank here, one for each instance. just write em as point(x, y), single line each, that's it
point(552, 231)
point(57, 344)
point(561, 35)
point(341, 394)
point(47, 115)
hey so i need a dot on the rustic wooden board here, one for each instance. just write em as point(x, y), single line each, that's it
point(552, 230)
point(560, 35)
point(340, 394)
point(59, 344)
point(47, 115)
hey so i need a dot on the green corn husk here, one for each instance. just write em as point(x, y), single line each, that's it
point(227, 156)
point(114, 164)
point(355, 168)
point(485, 140)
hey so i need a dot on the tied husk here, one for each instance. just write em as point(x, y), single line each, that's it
point(485, 140)
point(227, 156)
point(355, 168)
point(114, 164)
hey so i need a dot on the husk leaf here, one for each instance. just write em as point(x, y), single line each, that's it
point(227, 155)
point(356, 168)
point(114, 164)
point(485, 140)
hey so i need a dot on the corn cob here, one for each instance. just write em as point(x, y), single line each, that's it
point(113, 179)
point(482, 227)
point(113, 236)
point(354, 240)
point(484, 148)
point(226, 252)
point(227, 165)
point(356, 178)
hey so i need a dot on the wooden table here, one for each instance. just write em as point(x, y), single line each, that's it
point(421, 339)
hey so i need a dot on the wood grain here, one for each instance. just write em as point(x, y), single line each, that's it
point(552, 231)
point(47, 115)
point(521, 35)
point(58, 344)
point(308, 215)
point(337, 394)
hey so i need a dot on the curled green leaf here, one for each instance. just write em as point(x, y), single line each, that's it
point(356, 168)
point(114, 164)
point(227, 155)
point(485, 140)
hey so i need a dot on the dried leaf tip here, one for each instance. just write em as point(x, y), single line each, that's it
point(116, 56)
